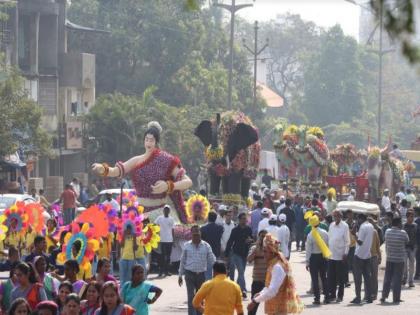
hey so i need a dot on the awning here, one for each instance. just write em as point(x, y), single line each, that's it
point(13, 160)
point(76, 27)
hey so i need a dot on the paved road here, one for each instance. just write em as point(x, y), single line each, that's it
point(173, 299)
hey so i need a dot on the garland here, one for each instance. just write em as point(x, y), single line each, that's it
point(214, 153)
point(232, 199)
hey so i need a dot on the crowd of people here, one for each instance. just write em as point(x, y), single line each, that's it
point(212, 265)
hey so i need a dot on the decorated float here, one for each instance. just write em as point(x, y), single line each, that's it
point(232, 151)
point(303, 156)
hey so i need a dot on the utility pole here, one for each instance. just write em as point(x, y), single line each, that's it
point(256, 52)
point(381, 54)
point(233, 8)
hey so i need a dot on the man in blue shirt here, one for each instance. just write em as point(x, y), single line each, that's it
point(212, 234)
point(300, 223)
point(255, 219)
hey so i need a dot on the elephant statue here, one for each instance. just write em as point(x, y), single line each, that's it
point(232, 151)
point(384, 172)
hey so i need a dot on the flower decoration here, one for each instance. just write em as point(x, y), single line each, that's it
point(249, 202)
point(232, 199)
point(197, 208)
point(133, 220)
point(3, 227)
point(182, 232)
point(88, 246)
point(35, 216)
point(112, 215)
point(17, 213)
point(150, 238)
point(97, 219)
point(214, 153)
point(316, 131)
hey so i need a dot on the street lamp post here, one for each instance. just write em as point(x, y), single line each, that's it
point(233, 8)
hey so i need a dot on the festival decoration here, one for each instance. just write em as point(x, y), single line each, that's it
point(84, 236)
point(3, 227)
point(35, 216)
point(97, 219)
point(182, 232)
point(344, 154)
point(113, 219)
point(197, 208)
point(150, 238)
point(132, 219)
point(18, 214)
point(232, 199)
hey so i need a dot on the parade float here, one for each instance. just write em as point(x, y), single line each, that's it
point(346, 157)
point(232, 151)
point(303, 156)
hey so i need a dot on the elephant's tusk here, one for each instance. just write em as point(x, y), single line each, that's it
point(227, 162)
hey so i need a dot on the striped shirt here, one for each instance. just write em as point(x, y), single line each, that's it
point(196, 258)
point(256, 255)
point(395, 242)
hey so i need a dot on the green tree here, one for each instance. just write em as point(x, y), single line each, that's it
point(21, 118)
point(333, 90)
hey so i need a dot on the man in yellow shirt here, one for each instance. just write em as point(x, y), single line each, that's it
point(221, 295)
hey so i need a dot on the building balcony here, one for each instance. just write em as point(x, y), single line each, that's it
point(77, 70)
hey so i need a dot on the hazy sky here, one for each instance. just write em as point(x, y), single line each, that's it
point(323, 12)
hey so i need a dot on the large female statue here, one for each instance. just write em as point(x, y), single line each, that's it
point(157, 176)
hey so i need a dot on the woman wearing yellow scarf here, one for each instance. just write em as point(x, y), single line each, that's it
point(317, 253)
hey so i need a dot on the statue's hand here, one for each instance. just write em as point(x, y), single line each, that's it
point(97, 168)
point(160, 187)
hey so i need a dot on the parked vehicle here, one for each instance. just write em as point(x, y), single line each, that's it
point(8, 200)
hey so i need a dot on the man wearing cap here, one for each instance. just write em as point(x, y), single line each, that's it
point(284, 235)
point(265, 214)
point(222, 209)
point(338, 242)
point(166, 224)
point(272, 228)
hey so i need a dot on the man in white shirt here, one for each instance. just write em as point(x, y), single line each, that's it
point(352, 195)
point(272, 228)
point(76, 186)
point(284, 236)
point(282, 205)
point(386, 202)
point(228, 226)
point(401, 194)
point(265, 214)
point(361, 261)
point(166, 224)
point(111, 201)
point(339, 243)
point(221, 214)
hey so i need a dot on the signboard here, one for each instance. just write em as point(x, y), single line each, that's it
point(74, 139)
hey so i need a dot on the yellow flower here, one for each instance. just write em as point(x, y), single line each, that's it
point(214, 153)
point(150, 238)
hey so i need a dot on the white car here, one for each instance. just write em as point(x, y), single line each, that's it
point(7, 200)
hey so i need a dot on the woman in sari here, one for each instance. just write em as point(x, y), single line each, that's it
point(64, 289)
point(28, 287)
point(50, 284)
point(136, 292)
point(158, 176)
point(111, 302)
point(71, 270)
point(90, 299)
point(103, 271)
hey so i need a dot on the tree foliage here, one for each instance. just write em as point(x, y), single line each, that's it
point(332, 80)
point(21, 119)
